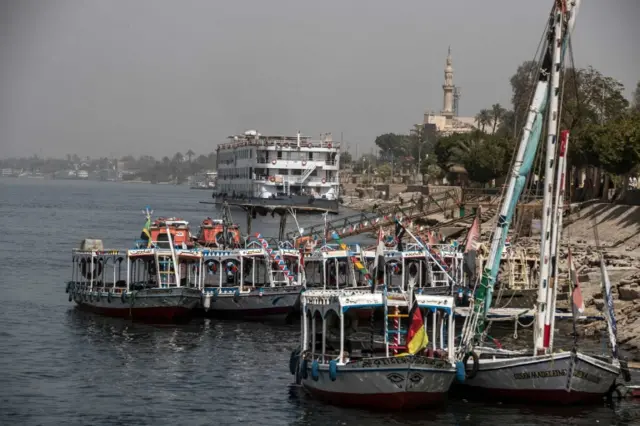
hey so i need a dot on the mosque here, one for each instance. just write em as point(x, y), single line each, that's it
point(448, 121)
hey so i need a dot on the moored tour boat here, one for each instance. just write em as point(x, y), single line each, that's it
point(387, 374)
point(255, 282)
point(151, 284)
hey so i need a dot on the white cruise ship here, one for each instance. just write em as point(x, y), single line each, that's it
point(279, 170)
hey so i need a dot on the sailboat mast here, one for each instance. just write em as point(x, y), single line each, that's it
point(556, 238)
point(541, 330)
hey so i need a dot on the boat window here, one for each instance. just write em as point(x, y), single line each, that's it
point(279, 155)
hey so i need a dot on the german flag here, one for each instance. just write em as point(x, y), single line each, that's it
point(417, 338)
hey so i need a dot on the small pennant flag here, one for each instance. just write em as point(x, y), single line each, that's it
point(576, 293)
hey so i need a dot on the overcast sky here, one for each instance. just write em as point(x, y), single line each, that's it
point(155, 77)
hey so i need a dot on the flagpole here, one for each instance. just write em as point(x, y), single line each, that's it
point(386, 318)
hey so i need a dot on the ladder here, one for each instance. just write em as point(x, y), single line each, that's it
point(396, 331)
point(166, 271)
point(307, 172)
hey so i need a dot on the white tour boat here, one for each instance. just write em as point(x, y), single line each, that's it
point(402, 367)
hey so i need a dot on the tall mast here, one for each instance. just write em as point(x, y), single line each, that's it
point(520, 170)
point(556, 237)
point(542, 330)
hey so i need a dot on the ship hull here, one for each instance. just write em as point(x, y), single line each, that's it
point(151, 305)
point(561, 378)
point(394, 383)
point(257, 303)
point(301, 202)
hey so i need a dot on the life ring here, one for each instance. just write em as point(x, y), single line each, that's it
point(389, 241)
point(97, 269)
point(304, 163)
point(476, 364)
point(271, 178)
point(395, 267)
point(273, 161)
point(212, 266)
point(285, 145)
point(324, 180)
point(329, 145)
point(231, 266)
point(315, 370)
point(333, 370)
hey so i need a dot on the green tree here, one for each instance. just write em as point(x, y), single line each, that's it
point(497, 115)
point(384, 171)
point(636, 98)
point(618, 148)
point(483, 119)
point(522, 86)
point(392, 143)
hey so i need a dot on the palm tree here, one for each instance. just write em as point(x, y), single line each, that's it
point(189, 154)
point(497, 113)
point(483, 118)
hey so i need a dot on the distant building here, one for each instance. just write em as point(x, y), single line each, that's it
point(448, 122)
point(83, 174)
point(7, 172)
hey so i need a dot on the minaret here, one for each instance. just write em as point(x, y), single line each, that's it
point(447, 88)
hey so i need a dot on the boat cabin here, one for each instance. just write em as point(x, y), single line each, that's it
point(333, 328)
point(212, 234)
point(176, 227)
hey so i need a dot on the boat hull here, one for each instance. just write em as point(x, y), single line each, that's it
point(394, 383)
point(561, 378)
point(153, 305)
point(257, 303)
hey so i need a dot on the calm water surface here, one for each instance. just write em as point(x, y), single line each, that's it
point(60, 366)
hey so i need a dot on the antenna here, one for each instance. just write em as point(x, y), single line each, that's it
point(456, 100)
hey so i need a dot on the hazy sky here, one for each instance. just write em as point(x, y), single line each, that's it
point(155, 77)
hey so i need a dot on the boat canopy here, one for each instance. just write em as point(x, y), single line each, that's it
point(323, 301)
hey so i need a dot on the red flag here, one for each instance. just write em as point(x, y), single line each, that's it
point(576, 294)
point(473, 235)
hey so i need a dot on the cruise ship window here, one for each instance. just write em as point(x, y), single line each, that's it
point(311, 156)
point(279, 155)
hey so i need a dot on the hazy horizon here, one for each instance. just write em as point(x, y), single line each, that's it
point(122, 78)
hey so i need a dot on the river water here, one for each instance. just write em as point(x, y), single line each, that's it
point(61, 366)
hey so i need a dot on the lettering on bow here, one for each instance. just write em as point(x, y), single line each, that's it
point(539, 374)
